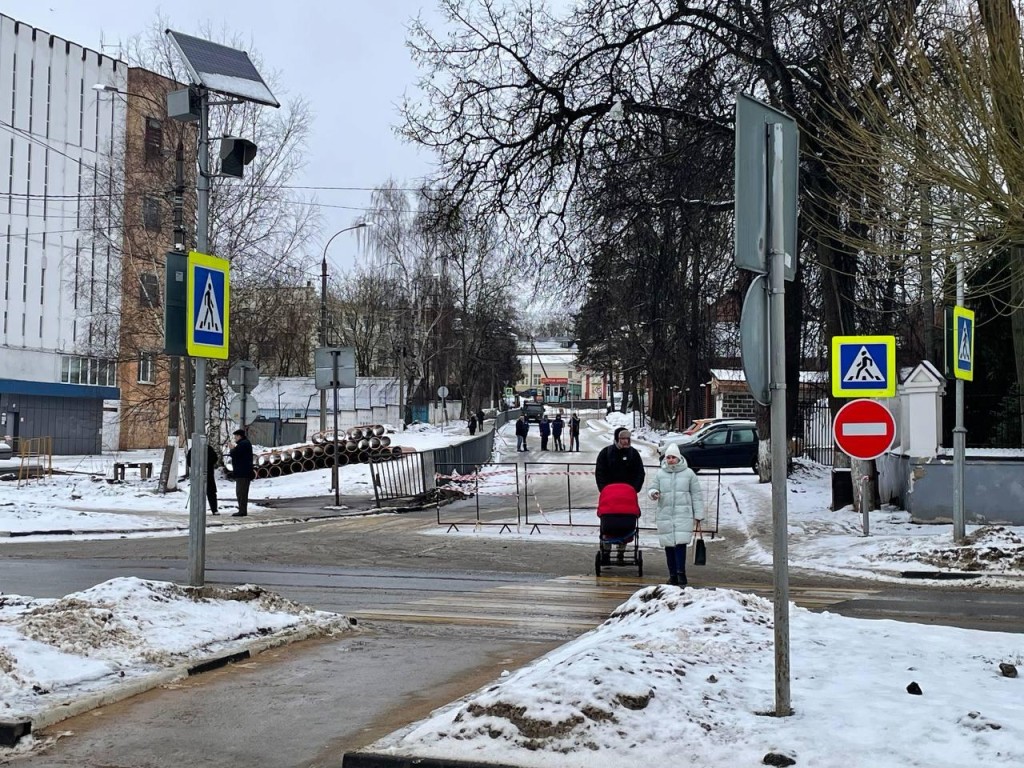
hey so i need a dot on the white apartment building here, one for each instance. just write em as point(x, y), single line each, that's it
point(60, 290)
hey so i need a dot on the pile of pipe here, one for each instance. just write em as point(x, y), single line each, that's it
point(356, 445)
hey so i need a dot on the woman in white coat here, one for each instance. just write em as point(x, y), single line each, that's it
point(680, 503)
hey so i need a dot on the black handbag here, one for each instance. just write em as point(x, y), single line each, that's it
point(700, 550)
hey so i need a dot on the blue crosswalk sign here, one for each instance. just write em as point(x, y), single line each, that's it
point(209, 297)
point(863, 366)
point(963, 343)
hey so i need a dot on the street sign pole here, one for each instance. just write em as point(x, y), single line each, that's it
point(777, 386)
point(197, 478)
point(959, 431)
point(334, 464)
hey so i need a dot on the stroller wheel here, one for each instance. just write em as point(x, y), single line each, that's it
point(639, 563)
point(597, 564)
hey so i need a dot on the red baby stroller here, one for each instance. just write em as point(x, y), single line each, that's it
point(619, 512)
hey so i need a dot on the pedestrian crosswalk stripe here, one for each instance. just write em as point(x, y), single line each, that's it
point(863, 368)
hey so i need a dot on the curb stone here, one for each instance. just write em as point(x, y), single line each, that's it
point(12, 731)
point(376, 760)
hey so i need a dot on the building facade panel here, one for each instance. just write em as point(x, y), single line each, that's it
point(57, 287)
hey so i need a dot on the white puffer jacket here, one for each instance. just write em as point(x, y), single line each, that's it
point(680, 501)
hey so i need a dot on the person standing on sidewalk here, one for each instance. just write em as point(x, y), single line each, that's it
point(545, 432)
point(556, 432)
point(522, 430)
point(241, 471)
point(574, 431)
point(680, 510)
point(211, 475)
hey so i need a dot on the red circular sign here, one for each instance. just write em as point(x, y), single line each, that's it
point(864, 429)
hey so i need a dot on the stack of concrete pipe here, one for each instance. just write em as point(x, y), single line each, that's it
point(363, 445)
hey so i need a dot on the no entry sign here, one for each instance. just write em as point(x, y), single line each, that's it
point(864, 429)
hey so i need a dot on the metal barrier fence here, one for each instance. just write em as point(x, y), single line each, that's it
point(413, 476)
point(410, 476)
point(494, 479)
point(577, 508)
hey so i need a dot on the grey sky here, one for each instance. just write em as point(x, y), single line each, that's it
point(346, 57)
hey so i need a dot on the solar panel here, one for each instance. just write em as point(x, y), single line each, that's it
point(222, 69)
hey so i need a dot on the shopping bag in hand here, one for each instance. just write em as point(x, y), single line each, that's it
point(700, 551)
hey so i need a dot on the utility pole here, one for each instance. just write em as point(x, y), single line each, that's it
point(197, 478)
point(959, 431)
point(231, 73)
point(169, 472)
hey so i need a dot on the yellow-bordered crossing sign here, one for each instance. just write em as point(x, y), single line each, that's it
point(209, 303)
point(863, 366)
point(963, 343)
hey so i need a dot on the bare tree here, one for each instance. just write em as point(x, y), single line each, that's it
point(931, 151)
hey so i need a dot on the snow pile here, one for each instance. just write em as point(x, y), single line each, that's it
point(990, 548)
point(54, 651)
point(687, 677)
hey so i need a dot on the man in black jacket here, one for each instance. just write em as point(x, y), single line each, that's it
point(241, 470)
point(211, 475)
point(620, 462)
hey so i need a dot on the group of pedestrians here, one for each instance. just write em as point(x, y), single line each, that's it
point(242, 471)
point(620, 474)
point(550, 429)
point(475, 421)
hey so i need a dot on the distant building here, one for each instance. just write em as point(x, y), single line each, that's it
point(550, 369)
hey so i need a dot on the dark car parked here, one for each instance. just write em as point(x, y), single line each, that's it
point(733, 446)
point(533, 411)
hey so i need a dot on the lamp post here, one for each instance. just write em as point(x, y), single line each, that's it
point(323, 312)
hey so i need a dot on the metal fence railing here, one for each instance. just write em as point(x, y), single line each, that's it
point(535, 502)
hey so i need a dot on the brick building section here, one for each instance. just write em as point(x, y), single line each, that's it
point(150, 142)
point(731, 398)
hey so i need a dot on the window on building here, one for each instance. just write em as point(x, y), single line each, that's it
point(151, 214)
point(149, 290)
point(88, 370)
point(154, 139)
point(145, 368)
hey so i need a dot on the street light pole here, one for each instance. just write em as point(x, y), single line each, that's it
point(323, 312)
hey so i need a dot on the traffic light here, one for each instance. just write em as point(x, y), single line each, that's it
point(235, 154)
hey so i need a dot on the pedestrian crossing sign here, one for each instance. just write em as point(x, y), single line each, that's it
point(963, 343)
point(209, 299)
point(863, 366)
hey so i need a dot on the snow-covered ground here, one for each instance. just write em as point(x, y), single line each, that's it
point(680, 676)
point(81, 498)
point(57, 652)
point(686, 677)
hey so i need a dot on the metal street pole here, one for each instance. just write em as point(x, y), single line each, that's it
point(323, 313)
point(334, 464)
point(169, 471)
point(323, 338)
point(959, 431)
point(197, 479)
point(777, 387)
